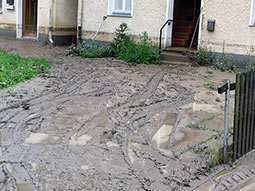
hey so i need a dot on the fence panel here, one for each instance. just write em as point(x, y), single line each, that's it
point(244, 124)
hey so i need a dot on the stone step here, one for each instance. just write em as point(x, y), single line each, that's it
point(179, 42)
point(184, 23)
point(167, 56)
point(185, 11)
point(165, 62)
point(178, 49)
point(183, 29)
point(179, 35)
point(186, 17)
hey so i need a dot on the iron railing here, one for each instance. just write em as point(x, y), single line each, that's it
point(169, 21)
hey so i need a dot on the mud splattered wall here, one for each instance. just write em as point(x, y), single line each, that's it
point(232, 25)
point(148, 15)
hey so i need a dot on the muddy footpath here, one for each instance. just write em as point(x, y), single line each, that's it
point(103, 124)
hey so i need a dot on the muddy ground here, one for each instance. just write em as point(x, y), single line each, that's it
point(103, 124)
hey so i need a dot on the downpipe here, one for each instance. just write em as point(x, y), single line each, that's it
point(50, 23)
point(79, 21)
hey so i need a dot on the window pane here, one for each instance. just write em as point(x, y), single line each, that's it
point(0, 4)
point(128, 5)
point(118, 4)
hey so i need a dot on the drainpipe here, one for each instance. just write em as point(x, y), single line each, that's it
point(79, 21)
point(50, 22)
point(252, 24)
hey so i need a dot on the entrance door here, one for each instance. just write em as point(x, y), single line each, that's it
point(29, 28)
point(186, 13)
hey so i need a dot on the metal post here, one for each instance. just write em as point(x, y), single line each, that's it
point(226, 121)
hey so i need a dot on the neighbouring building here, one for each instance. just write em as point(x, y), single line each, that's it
point(43, 20)
point(216, 25)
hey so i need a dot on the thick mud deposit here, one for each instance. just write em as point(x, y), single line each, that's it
point(94, 124)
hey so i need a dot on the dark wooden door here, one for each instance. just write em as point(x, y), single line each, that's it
point(29, 18)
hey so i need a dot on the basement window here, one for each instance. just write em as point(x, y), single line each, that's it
point(252, 17)
point(120, 8)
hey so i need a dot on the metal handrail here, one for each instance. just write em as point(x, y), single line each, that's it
point(169, 21)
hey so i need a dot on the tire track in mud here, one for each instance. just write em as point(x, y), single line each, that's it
point(126, 120)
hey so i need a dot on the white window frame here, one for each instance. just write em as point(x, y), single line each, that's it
point(121, 13)
point(252, 16)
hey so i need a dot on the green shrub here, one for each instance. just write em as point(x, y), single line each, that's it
point(203, 58)
point(224, 64)
point(122, 47)
point(249, 64)
point(121, 41)
point(144, 52)
point(208, 58)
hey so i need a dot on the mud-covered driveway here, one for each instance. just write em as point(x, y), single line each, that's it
point(92, 124)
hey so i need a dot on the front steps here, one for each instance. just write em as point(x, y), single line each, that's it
point(175, 56)
point(184, 23)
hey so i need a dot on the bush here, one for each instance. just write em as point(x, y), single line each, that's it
point(143, 52)
point(249, 64)
point(203, 58)
point(222, 62)
point(123, 47)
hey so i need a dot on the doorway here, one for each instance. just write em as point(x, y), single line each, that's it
point(29, 27)
point(185, 26)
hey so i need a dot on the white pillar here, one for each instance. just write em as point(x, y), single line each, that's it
point(252, 20)
point(169, 28)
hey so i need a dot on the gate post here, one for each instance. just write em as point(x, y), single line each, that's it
point(226, 119)
point(226, 88)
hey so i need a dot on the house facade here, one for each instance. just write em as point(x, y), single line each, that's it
point(215, 25)
point(45, 20)
point(140, 16)
point(234, 27)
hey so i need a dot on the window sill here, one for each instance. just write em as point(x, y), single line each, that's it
point(1, 12)
point(252, 25)
point(120, 15)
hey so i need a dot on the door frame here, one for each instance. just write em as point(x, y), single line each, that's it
point(200, 24)
point(169, 28)
point(19, 19)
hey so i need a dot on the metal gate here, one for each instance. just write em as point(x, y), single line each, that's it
point(244, 119)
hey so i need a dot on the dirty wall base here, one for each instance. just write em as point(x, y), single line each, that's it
point(8, 32)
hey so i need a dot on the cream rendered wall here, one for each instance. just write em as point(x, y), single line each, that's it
point(148, 15)
point(43, 16)
point(232, 26)
point(66, 13)
point(8, 17)
point(65, 16)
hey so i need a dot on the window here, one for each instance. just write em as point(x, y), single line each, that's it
point(252, 17)
point(1, 4)
point(120, 7)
